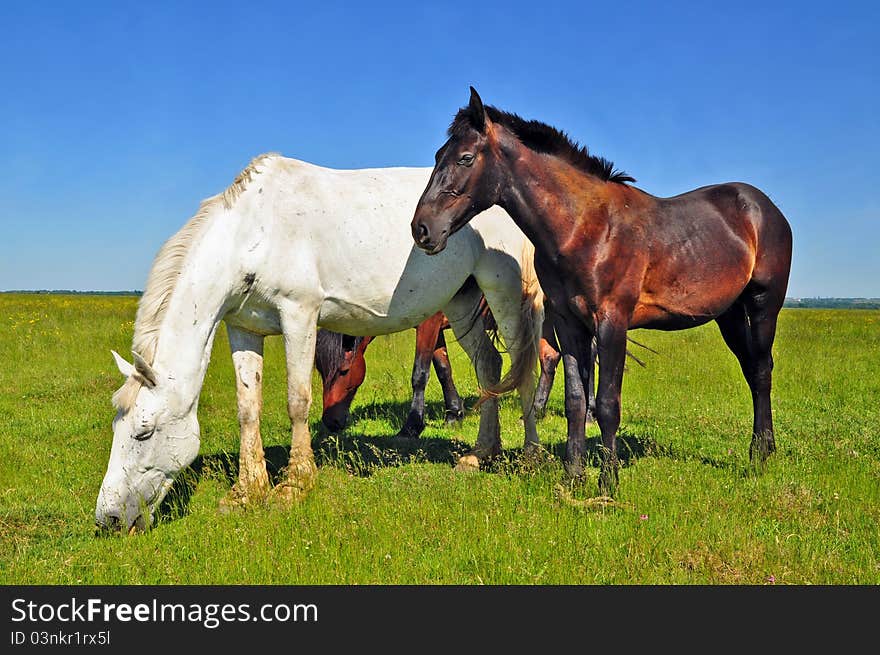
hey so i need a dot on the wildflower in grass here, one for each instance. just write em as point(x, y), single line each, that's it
point(771, 579)
point(643, 517)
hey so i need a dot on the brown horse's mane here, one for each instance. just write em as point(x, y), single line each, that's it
point(330, 349)
point(541, 137)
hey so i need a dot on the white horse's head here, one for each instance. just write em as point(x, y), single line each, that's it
point(154, 437)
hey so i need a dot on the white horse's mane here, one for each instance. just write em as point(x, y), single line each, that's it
point(164, 275)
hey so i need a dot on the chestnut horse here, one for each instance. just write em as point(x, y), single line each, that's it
point(342, 366)
point(611, 258)
point(341, 363)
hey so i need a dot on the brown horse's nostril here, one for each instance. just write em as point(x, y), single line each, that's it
point(422, 235)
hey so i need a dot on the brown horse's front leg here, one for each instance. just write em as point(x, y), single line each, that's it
point(572, 341)
point(611, 348)
point(426, 338)
point(451, 397)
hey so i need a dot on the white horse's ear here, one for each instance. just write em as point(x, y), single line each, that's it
point(144, 370)
point(124, 367)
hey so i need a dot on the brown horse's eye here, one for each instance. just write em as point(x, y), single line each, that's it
point(466, 159)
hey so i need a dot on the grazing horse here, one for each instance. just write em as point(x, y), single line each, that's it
point(611, 258)
point(341, 363)
point(289, 247)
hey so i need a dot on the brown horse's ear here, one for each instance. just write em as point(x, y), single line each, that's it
point(477, 111)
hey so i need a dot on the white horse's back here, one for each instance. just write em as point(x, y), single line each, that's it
point(342, 238)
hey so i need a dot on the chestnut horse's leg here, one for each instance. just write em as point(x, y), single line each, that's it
point(749, 328)
point(247, 360)
point(451, 398)
point(611, 347)
point(426, 339)
point(549, 356)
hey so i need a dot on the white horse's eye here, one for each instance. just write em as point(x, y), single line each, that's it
point(146, 434)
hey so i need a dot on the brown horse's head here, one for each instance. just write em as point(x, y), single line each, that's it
point(340, 361)
point(465, 180)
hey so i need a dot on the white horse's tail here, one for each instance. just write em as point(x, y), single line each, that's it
point(524, 347)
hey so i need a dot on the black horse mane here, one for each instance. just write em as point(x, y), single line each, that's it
point(541, 137)
point(330, 349)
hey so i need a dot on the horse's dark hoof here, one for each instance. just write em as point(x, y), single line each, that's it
point(607, 485)
point(453, 417)
point(409, 432)
point(761, 448)
point(608, 480)
point(574, 469)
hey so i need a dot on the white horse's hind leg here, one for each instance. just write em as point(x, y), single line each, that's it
point(299, 325)
point(509, 316)
point(247, 359)
point(467, 325)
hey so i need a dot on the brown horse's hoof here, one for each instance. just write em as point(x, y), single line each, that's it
point(761, 448)
point(574, 469)
point(467, 463)
point(608, 480)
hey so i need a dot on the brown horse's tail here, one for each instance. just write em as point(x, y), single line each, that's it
point(523, 348)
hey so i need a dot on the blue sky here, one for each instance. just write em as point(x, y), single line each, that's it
point(117, 118)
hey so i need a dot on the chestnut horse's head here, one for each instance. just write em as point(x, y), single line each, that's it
point(465, 180)
point(340, 361)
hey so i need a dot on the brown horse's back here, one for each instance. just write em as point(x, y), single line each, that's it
point(706, 246)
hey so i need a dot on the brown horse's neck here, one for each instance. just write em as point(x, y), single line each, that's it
point(553, 202)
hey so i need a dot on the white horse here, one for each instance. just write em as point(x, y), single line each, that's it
point(288, 247)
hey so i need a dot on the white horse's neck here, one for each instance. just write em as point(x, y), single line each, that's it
point(195, 308)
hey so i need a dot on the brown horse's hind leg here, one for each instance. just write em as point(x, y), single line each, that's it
point(748, 328)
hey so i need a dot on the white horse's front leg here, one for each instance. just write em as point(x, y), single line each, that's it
point(247, 358)
point(299, 325)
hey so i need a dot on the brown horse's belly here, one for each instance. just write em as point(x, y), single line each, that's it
point(686, 312)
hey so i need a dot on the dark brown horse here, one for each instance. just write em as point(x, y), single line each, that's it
point(611, 257)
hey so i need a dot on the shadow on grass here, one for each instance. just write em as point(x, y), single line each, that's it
point(363, 455)
point(396, 412)
point(359, 455)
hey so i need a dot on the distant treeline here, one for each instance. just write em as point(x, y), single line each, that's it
point(834, 303)
point(811, 303)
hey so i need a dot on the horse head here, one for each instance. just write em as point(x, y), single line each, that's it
point(466, 179)
point(340, 361)
point(155, 436)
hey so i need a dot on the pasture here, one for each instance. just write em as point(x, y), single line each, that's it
point(690, 509)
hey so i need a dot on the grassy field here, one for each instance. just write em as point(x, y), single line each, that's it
point(690, 510)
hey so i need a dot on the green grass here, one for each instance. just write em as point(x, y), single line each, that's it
point(690, 510)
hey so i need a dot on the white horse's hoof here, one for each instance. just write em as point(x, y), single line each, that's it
point(467, 463)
